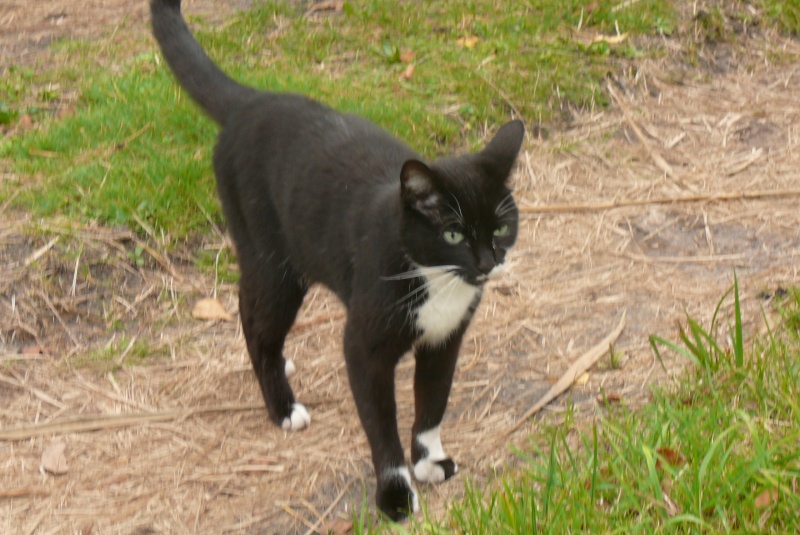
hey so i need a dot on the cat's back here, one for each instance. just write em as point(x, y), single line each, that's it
point(300, 139)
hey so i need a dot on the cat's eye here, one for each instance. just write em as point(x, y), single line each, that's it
point(502, 231)
point(452, 237)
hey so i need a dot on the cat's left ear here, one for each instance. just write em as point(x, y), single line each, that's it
point(418, 186)
point(500, 154)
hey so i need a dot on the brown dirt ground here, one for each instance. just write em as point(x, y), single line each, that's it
point(78, 314)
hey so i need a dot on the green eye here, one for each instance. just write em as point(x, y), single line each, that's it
point(502, 231)
point(452, 237)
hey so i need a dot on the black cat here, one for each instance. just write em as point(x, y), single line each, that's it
point(314, 196)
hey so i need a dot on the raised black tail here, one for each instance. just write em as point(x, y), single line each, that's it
point(211, 88)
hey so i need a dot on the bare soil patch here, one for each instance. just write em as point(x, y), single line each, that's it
point(160, 412)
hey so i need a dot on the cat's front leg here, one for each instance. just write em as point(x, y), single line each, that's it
point(433, 377)
point(371, 362)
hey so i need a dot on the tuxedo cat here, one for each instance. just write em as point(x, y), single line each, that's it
point(314, 196)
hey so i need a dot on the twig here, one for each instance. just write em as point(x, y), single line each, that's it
point(33, 390)
point(110, 395)
point(330, 508)
point(741, 166)
point(578, 367)
point(99, 422)
point(161, 259)
point(10, 199)
point(660, 162)
point(529, 207)
point(147, 228)
point(501, 93)
point(40, 252)
point(59, 318)
point(481, 394)
point(288, 508)
point(24, 492)
point(75, 275)
point(261, 519)
point(703, 259)
point(104, 152)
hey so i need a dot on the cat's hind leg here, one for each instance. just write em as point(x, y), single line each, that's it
point(269, 297)
point(433, 377)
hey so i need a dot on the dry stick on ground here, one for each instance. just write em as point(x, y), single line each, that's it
point(33, 257)
point(578, 367)
point(660, 162)
point(106, 421)
point(52, 308)
point(529, 208)
point(33, 390)
point(315, 528)
point(24, 492)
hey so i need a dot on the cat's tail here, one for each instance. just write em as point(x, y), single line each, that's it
point(211, 88)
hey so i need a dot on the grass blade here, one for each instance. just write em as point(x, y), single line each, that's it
point(738, 339)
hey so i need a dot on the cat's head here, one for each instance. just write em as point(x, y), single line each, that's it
point(459, 213)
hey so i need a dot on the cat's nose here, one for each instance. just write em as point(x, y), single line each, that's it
point(486, 261)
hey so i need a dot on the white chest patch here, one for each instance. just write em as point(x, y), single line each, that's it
point(449, 298)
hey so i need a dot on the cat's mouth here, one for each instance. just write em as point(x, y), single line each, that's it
point(447, 273)
point(494, 274)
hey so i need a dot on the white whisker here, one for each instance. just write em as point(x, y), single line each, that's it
point(414, 294)
point(505, 206)
point(458, 213)
point(419, 271)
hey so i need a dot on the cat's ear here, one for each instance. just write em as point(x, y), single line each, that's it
point(500, 154)
point(417, 186)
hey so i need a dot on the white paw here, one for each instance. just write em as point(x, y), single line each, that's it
point(299, 419)
point(290, 368)
point(428, 471)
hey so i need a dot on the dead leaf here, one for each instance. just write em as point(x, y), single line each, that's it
point(672, 457)
point(64, 111)
point(54, 460)
point(468, 41)
point(43, 153)
point(582, 379)
point(326, 5)
point(407, 56)
point(336, 526)
point(210, 309)
point(505, 290)
point(766, 498)
point(611, 39)
point(408, 72)
point(25, 122)
point(34, 349)
point(673, 509)
point(611, 397)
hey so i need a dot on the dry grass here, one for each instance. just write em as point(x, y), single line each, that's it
point(180, 443)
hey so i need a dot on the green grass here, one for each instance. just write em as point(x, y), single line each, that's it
point(136, 146)
point(716, 452)
point(784, 13)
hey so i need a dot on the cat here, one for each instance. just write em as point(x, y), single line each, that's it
point(310, 196)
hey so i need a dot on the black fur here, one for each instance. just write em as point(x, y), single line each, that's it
point(315, 196)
